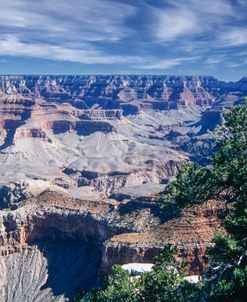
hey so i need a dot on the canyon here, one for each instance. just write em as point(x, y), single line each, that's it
point(84, 161)
point(55, 244)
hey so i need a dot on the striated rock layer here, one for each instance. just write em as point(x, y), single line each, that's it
point(54, 243)
point(94, 135)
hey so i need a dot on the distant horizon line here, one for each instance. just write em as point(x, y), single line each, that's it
point(113, 74)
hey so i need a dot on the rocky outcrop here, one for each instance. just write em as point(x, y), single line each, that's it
point(53, 245)
point(13, 194)
point(57, 243)
point(192, 232)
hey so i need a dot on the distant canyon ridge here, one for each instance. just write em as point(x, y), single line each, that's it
point(105, 136)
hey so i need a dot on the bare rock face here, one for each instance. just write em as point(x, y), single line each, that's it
point(107, 132)
point(54, 243)
point(191, 232)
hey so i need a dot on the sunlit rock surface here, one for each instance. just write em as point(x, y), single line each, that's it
point(107, 132)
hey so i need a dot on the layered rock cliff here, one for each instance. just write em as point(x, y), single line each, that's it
point(109, 92)
point(54, 243)
point(101, 133)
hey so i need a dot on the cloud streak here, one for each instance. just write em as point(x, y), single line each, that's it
point(129, 35)
point(93, 20)
point(13, 46)
point(167, 63)
point(201, 24)
point(64, 30)
point(234, 37)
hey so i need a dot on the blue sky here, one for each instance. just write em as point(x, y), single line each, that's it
point(187, 37)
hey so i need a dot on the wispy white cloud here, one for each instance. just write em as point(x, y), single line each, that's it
point(234, 37)
point(213, 60)
point(64, 30)
point(193, 24)
point(167, 63)
point(167, 35)
point(85, 20)
point(186, 18)
point(173, 24)
point(233, 65)
point(13, 46)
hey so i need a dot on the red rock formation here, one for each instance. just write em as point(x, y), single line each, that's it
point(141, 237)
point(192, 233)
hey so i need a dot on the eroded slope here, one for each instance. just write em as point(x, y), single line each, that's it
point(92, 135)
point(54, 243)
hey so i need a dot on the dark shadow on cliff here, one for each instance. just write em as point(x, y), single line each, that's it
point(11, 127)
point(8, 139)
point(169, 211)
point(70, 265)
